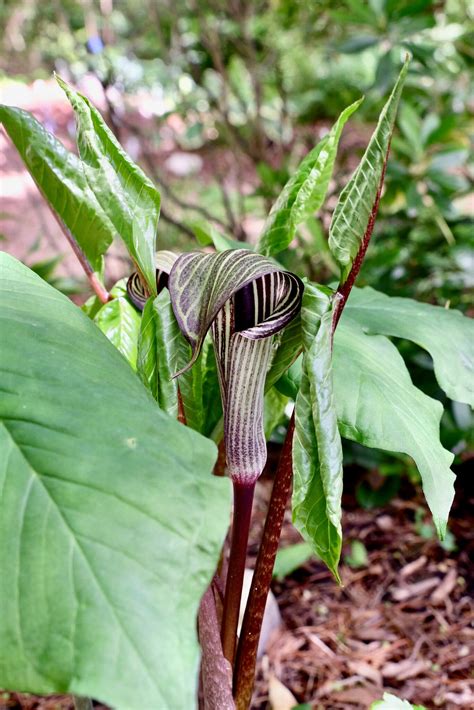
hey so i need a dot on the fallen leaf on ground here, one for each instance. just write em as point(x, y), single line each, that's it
point(279, 696)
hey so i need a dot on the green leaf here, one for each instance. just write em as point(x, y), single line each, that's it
point(291, 558)
point(358, 556)
point(305, 191)
point(287, 348)
point(147, 352)
point(120, 322)
point(212, 404)
point(60, 178)
point(353, 219)
point(273, 410)
point(206, 235)
point(162, 351)
point(353, 45)
point(93, 305)
point(446, 334)
point(289, 383)
point(110, 522)
point(391, 702)
point(125, 193)
point(317, 448)
point(379, 406)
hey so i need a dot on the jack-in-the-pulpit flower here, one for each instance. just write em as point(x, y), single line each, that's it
point(244, 299)
point(136, 288)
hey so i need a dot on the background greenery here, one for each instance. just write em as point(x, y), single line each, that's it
point(247, 88)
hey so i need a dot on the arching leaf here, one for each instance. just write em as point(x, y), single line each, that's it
point(110, 520)
point(446, 334)
point(317, 448)
point(60, 178)
point(379, 406)
point(125, 193)
point(305, 191)
point(353, 219)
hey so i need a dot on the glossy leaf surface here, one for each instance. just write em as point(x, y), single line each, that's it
point(119, 320)
point(125, 193)
point(379, 406)
point(60, 178)
point(317, 448)
point(354, 216)
point(305, 191)
point(446, 334)
point(110, 522)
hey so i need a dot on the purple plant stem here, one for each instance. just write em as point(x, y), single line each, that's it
point(243, 499)
point(99, 290)
point(244, 672)
point(216, 671)
point(346, 287)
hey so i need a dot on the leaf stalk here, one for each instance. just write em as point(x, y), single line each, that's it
point(244, 672)
point(243, 499)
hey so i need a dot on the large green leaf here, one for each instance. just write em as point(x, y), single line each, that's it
point(125, 193)
point(304, 192)
point(447, 335)
point(110, 522)
point(60, 178)
point(119, 320)
point(317, 448)
point(379, 406)
point(353, 219)
point(162, 351)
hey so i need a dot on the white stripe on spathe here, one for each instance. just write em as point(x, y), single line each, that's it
point(245, 299)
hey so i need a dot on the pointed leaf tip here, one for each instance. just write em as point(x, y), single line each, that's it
point(127, 196)
point(354, 216)
point(305, 191)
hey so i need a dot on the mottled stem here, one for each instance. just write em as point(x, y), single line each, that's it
point(216, 671)
point(243, 499)
point(244, 672)
point(98, 288)
point(345, 288)
point(181, 411)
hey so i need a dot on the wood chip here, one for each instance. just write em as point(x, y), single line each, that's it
point(366, 670)
point(442, 592)
point(401, 594)
point(319, 644)
point(413, 567)
point(405, 669)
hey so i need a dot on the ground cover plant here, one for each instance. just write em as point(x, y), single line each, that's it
point(112, 524)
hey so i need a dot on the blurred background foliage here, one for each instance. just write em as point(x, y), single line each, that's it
point(219, 100)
